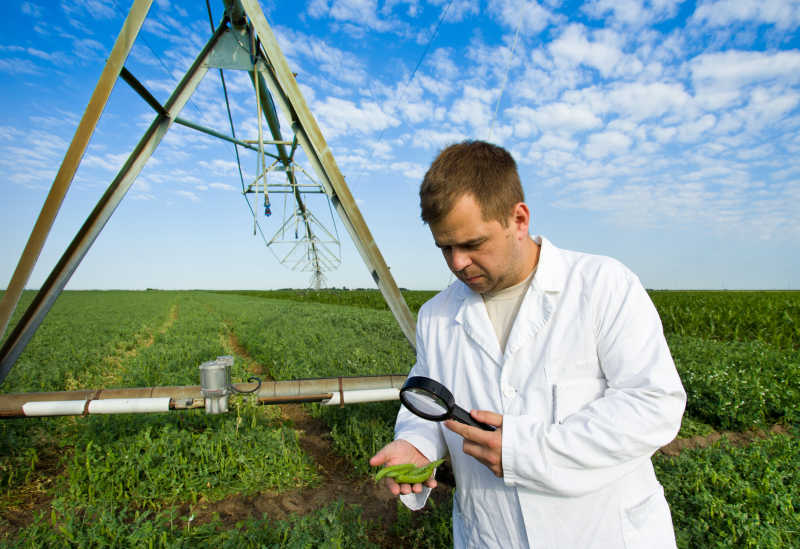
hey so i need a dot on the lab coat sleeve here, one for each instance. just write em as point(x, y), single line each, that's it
point(424, 435)
point(611, 434)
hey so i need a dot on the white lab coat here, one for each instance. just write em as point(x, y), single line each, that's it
point(588, 392)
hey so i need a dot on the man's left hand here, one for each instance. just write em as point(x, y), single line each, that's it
point(485, 446)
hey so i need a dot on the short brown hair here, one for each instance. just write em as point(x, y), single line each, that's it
point(486, 171)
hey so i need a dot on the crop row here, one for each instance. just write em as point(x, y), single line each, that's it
point(771, 317)
point(76, 344)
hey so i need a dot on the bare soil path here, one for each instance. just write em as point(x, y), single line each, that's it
point(338, 480)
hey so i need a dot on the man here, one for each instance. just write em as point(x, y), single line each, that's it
point(562, 351)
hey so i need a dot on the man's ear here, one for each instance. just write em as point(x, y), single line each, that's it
point(521, 218)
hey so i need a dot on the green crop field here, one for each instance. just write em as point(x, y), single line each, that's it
point(297, 476)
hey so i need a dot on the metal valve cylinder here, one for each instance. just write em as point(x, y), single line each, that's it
point(215, 382)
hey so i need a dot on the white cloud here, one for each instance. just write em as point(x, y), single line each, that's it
point(29, 8)
point(603, 52)
point(98, 9)
point(53, 57)
point(220, 167)
point(561, 118)
point(440, 87)
point(342, 65)
point(9, 132)
point(692, 131)
point(555, 141)
point(728, 123)
point(472, 108)
point(110, 162)
point(556, 159)
point(339, 116)
point(441, 63)
point(33, 159)
point(591, 185)
point(783, 14)
point(222, 187)
point(434, 139)
point(458, 10)
point(541, 81)
point(600, 145)
point(642, 101)
point(416, 111)
point(88, 49)
point(767, 106)
point(635, 13)
point(528, 15)
point(318, 8)
point(356, 14)
point(410, 170)
point(16, 66)
point(188, 194)
point(662, 134)
point(141, 185)
point(738, 68)
point(412, 8)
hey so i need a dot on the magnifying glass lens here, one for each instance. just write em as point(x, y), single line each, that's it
point(427, 403)
point(431, 400)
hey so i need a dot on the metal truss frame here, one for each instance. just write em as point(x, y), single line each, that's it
point(272, 79)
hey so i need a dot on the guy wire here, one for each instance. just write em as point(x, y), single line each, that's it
point(505, 78)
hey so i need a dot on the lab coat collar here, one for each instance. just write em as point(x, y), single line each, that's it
point(551, 270)
point(542, 297)
point(474, 319)
point(537, 306)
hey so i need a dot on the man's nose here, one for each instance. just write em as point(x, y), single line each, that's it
point(459, 260)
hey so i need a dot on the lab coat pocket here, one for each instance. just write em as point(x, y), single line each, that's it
point(572, 395)
point(648, 523)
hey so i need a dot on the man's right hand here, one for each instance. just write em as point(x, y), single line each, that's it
point(395, 453)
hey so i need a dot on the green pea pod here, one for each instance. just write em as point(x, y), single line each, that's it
point(420, 474)
point(394, 470)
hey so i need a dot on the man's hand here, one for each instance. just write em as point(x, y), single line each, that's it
point(395, 453)
point(485, 446)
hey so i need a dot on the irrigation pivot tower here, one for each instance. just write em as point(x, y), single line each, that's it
point(242, 41)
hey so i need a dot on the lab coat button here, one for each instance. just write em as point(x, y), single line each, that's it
point(508, 391)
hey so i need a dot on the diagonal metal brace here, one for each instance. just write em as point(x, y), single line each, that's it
point(63, 180)
point(283, 87)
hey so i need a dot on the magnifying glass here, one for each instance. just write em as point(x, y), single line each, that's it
point(431, 400)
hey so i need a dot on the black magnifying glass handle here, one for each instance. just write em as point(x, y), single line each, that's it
point(460, 414)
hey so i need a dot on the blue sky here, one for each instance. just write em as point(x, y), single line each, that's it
point(663, 133)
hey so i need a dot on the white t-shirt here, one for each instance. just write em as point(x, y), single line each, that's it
point(503, 306)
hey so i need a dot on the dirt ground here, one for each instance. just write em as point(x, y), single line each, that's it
point(338, 482)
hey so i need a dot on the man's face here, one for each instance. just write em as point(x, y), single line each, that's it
point(484, 255)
